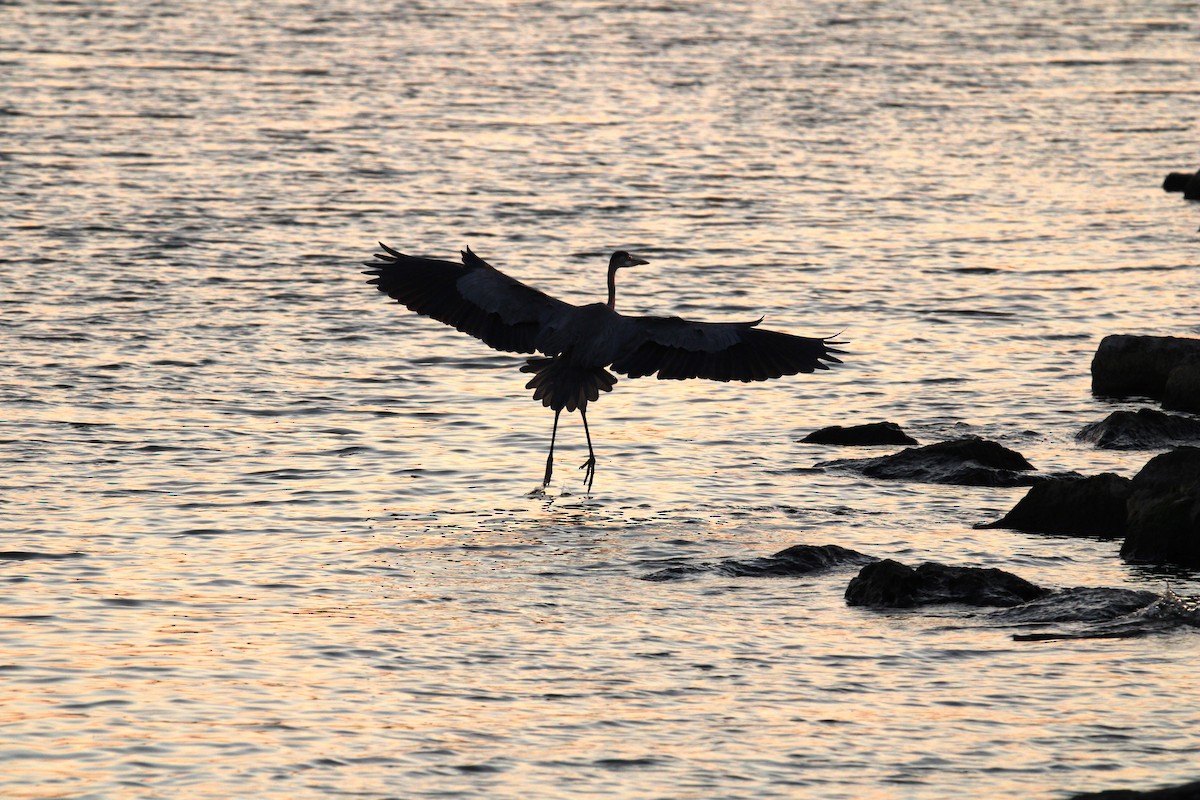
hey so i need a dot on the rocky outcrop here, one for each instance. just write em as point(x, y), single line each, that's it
point(1144, 429)
point(800, 559)
point(873, 433)
point(1163, 511)
point(1158, 511)
point(1091, 506)
point(969, 462)
point(1138, 365)
point(890, 584)
point(1182, 390)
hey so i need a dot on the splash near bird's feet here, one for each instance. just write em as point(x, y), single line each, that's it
point(589, 474)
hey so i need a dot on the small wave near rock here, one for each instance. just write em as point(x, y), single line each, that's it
point(1102, 613)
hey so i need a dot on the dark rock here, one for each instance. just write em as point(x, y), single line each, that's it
point(890, 584)
point(873, 433)
point(1186, 791)
point(1091, 506)
point(969, 462)
point(1177, 181)
point(1177, 469)
point(1144, 429)
point(800, 559)
point(1192, 190)
point(1182, 391)
point(1163, 511)
point(1138, 365)
point(1163, 529)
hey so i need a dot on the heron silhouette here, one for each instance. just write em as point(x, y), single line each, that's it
point(580, 343)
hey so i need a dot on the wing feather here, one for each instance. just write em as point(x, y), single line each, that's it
point(473, 297)
point(678, 349)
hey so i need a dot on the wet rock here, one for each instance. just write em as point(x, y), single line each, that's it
point(890, 584)
point(968, 462)
point(1163, 529)
point(1091, 506)
point(1182, 391)
point(1186, 791)
point(1177, 181)
point(1177, 469)
point(872, 433)
point(1138, 365)
point(1144, 429)
point(1163, 511)
point(800, 559)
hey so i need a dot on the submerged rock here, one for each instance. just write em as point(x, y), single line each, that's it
point(1144, 429)
point(1138, 365)
point(1100, 613)
point(1182, 391)
point(1185, 791)
point(969, 462)
point(890, 584)
point(1163, 511)
point(872, 433)
point(800, 559)
point(1080, 604)
point(1091, 506)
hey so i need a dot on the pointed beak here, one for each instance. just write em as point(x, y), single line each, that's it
point(635, 261)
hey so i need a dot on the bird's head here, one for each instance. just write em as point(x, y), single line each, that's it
point(623, 259)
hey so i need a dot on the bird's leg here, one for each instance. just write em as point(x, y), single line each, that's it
point(588, 466)
point(550, 458)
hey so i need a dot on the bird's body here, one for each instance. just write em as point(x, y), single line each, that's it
point(581, 343)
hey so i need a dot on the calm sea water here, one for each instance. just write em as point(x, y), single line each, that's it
point(293, 551)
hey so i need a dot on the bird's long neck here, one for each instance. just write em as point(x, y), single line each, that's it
point(612, 288)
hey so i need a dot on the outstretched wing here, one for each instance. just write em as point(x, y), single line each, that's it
point(474, 297)
point(721, 351)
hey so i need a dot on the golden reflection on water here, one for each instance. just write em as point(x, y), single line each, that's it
point(309, 565)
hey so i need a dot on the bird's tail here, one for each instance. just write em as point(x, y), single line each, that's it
point(561, 384)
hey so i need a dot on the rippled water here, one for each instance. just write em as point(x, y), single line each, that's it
point(267, 534)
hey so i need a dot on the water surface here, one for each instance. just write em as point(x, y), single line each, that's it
point(287, 545)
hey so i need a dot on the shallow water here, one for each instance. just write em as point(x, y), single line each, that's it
point(294, 554)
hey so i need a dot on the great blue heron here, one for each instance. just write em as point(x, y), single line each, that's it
point(579, 342)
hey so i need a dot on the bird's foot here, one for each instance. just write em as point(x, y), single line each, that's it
point(589, 474)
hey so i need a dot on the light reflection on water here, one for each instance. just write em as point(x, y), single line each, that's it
point(298, 555)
